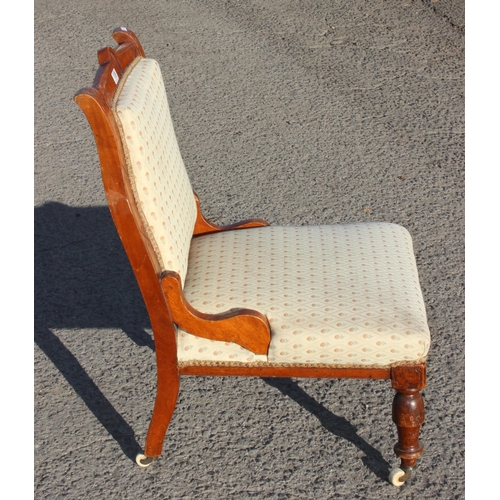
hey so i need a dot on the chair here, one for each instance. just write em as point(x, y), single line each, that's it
point(249, 299)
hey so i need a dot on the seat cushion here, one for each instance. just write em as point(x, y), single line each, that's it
point(344, 295)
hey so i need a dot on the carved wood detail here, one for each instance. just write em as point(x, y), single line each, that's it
point(408, 411)
point(245, 327)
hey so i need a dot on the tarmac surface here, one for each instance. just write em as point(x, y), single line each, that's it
point(298, 112)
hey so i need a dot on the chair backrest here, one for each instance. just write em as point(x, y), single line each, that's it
point(141, 169)
point(157, 175)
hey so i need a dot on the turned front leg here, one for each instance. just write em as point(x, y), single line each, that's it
point(408, 415)
point(408, 412)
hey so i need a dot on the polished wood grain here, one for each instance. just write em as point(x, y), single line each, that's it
point(96, 103)
point(408, 411)
point(203, 226)
point(273, 371)
point(245, 327)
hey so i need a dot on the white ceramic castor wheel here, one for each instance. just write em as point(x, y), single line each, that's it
point(398, 476)
point(144, 461)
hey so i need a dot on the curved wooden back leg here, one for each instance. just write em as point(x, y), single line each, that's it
point(167, 390)
point(166, 399)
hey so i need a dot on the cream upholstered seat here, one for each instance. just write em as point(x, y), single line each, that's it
point(339, 301)
point(337, 295)
point(334, 295)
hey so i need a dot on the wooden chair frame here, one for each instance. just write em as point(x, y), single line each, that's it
point(167, 305)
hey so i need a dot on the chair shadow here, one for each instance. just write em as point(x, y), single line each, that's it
point(88, 391)
point(338, 426)
point(83, 280)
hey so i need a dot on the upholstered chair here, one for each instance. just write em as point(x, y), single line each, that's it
point(249, 299)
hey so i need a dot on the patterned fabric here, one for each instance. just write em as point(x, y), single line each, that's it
point(334, 295)
point(158, 176)
point(346, 294)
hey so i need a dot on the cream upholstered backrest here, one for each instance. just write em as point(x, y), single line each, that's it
point(157, 173)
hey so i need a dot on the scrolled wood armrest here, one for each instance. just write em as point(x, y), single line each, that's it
point(245, 327)
point(203, 226)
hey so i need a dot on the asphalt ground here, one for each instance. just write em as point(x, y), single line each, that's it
point(298, 112)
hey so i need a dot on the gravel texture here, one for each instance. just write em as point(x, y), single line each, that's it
point(298, 112)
